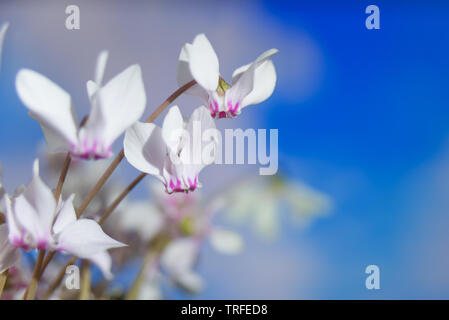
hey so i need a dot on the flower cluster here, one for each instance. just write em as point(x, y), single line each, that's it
point(166, 232)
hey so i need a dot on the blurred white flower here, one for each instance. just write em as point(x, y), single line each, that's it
point(251, 83)
point(168, 153)
point(36, 221)
point(3, 28)
point(186, 222)
point(179, 259)
point(259, 201)
point(114, 108)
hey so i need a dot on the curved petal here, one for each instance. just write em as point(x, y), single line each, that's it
point(172, 129)
point(93, 86)
point(184, 75)
point(28, 219)
point(191, 155)
point(85, 238)
point(264, 84)
point(15, 232)
point(145, 149)
point(203, 63)
point(55, 142)
point(3, 30)
point(41, 198)
point(66, 215)
point(244, 81)
point(101, 66)
point(190, 281)
point(49, 104)
point(104, 262)
point(115, 107)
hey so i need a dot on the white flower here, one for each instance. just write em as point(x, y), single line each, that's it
point(36, 221)
point(114, 108)
point(170, 153)
point(3, 30)
point(178, 259)
point(251, 83)
point(259, 202)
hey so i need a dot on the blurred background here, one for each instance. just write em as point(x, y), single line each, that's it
point(362, 116)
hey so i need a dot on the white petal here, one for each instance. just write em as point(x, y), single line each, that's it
point(200, 121)
point(66, 215)
point(185, 76)
point(101, 66)
point(226, 241)
point(104, 262)
point(55, 142)
point(15, 233)
point(92, 88)
point(3, 30)
point(145, 148)
point(203, 63)
point(116, 106)
point(264, 84)
point(48, 103)
point(28, 219)
point(246, 81)
point(41, 198)
point(172, 128)
point(190, 281)
point(9, 255)
point(85, 238)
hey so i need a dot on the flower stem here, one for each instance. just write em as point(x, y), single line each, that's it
point(31, 290)
point(55, 284)
point(121, 155)
point(85, 281)
point(3, 278)
point(65, 169)
point(63, 175)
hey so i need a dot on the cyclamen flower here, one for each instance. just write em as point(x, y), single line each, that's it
point(114, 108)
point(3, 30)
point(251, 83)
point(36, 221)
point(259, 201)
point(188, 222)
point(170, 153)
